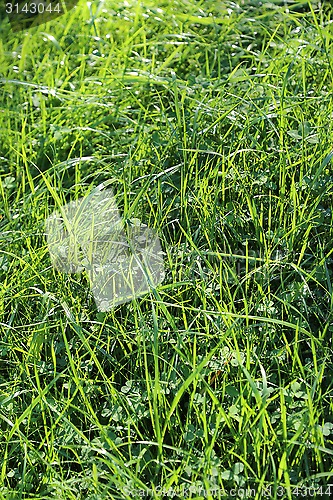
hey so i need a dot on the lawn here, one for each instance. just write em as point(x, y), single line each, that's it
point(212, 120)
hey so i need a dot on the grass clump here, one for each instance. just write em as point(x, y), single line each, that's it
point(214, 122)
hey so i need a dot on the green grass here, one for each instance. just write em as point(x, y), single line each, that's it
point(214, 121)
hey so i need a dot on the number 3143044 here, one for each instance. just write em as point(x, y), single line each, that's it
point(32, 8)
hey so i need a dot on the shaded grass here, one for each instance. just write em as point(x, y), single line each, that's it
point(214, 122)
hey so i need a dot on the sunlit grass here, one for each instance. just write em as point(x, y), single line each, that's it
point(214, 122)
